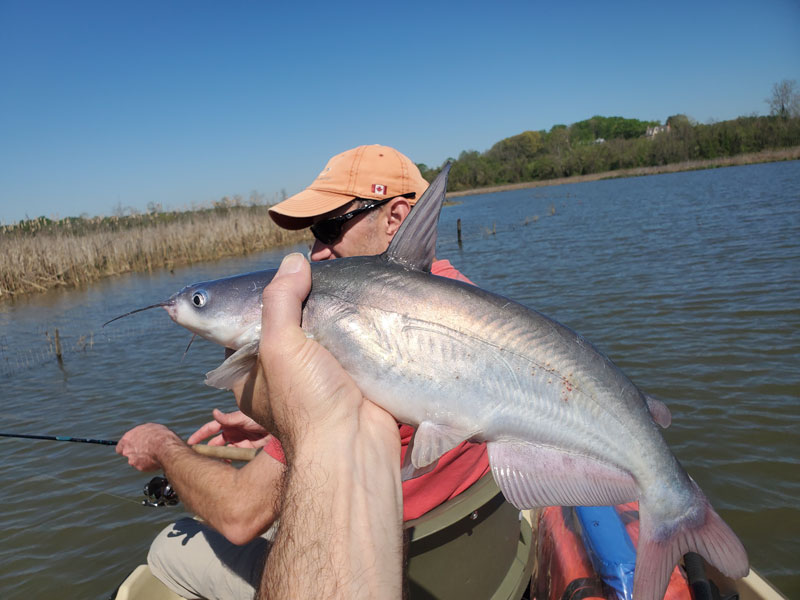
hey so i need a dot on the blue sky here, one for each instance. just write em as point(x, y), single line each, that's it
point(109, 104)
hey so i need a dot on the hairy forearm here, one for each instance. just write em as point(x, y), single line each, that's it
point(341, 523)
point(239, 503)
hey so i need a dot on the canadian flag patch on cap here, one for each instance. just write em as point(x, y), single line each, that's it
point(378, 188)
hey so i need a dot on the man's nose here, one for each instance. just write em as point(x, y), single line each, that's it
point(320, 251)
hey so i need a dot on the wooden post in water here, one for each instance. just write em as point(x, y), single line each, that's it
point(458, 227)
point(58, 348)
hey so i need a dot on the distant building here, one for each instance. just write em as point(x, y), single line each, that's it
point(654, 131)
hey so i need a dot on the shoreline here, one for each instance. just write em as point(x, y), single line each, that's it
point(37, 264)
point(751, 158)
point(31, 264)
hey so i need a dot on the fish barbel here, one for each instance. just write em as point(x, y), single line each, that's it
point(563, 426)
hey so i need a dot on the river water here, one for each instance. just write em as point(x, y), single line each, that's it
point(690, 282)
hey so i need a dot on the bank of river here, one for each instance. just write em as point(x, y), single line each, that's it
point(695, 165)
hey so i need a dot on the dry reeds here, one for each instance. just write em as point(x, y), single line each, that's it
point(43, 254)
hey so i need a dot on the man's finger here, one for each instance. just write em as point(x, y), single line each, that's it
point(232, 419)
point(283, 300)
point(207, 430)
point(217, 441)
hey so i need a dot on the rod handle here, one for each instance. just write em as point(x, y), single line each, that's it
point(226, 452)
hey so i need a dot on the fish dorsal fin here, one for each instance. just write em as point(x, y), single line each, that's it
point(414, 244)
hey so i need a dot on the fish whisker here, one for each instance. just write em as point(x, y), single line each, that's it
point(159, 305)
point(185, 352)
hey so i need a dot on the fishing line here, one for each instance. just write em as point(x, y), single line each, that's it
point(81, 486)
point(38, 348)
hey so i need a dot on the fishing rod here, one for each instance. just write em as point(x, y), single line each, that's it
point(59, 438)
point(224, 452)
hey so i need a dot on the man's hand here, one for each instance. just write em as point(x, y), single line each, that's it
point(309, 394)
point(240, 503)
point(143, 446)
point(234, 428)
point(340, 534)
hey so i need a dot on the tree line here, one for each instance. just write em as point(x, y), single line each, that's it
point(602, 144)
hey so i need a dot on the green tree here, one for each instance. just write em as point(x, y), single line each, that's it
point(510, 157)
point(574, 150)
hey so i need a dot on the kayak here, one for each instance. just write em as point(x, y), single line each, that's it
point(141, 584)
point(475, 545)
point(571, 566)
point(479, 546)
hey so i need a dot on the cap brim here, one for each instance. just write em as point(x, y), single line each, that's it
point(299, 211)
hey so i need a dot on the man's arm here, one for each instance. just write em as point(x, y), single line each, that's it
point(340, 533)
point(341, 519)
point(239, 503)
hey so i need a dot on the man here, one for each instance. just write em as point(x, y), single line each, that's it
point(354, 207)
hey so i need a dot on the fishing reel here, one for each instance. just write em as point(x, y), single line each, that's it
point(159, 492)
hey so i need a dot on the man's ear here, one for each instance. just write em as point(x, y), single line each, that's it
point(397, 213)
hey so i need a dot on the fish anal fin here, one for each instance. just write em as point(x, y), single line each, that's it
point(235, 368)
point(531, 475)
point(431, 440)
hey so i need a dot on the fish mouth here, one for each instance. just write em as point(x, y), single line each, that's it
point(172, 310)
point(167, 305)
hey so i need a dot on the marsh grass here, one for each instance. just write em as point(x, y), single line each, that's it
point(40, 254)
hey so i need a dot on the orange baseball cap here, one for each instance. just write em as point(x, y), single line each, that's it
point(374, 171)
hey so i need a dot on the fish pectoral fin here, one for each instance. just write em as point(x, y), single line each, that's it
point(427, 444)
point(409, 471)
point(430, 441)
point(659, 411)
point(532, 475)
point(235, 368)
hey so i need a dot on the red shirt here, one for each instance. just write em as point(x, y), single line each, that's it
point(456, 470)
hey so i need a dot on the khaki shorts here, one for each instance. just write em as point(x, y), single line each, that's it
point(195, 561)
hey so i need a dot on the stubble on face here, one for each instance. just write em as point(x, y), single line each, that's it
point(362, 236)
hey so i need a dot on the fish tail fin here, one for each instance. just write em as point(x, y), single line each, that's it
point(661, 547)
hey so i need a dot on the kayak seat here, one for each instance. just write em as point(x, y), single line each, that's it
point(476, 546)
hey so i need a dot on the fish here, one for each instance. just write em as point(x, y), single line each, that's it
point(562, 424)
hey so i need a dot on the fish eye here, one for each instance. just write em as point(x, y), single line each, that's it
point(199, 298)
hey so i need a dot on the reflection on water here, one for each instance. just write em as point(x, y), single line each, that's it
point(688, 281)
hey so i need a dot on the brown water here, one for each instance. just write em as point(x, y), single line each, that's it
point(690, 282)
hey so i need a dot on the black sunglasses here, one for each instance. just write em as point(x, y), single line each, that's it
point(330, 230)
